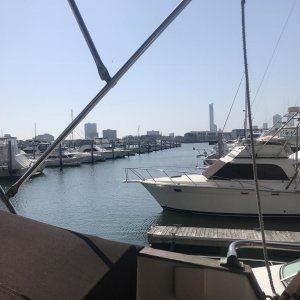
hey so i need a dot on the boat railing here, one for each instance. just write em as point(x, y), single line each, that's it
point(142, 174)
point(135, 175)
point(232, 259)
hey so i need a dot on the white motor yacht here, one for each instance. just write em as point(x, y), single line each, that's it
point(13, 161)
point(88, 156)
point(227, 187)
point(68, 160)
point(103, 153)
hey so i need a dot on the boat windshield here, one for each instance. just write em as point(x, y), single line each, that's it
point(288, 271)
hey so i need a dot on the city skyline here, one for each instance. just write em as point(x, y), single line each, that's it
point(91, 131)
point(47, 70)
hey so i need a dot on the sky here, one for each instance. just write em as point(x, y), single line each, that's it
point(47, 71)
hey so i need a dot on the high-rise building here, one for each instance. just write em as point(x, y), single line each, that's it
point(277, 121)
point(153, 133)
point(109, 134)
point(265, 126)
point(90, 131)
point(212, 125)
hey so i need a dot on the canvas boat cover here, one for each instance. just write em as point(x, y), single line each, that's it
point(40, 261)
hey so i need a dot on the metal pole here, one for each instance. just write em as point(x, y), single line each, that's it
point(104, 75)
point(297, 141)
point(60, 157)
point(92, 151)
point(9, 158)
point(5, 200)
point(15, 187)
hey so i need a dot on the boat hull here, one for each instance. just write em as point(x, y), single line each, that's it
point(224, 201)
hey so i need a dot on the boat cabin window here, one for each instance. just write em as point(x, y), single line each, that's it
point(288, 271)
point(245, 171)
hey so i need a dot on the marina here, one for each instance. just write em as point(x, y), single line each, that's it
point(94, 198)
point(90, 232)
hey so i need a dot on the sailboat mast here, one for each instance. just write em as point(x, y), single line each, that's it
point(246, 116)
point(72, 135)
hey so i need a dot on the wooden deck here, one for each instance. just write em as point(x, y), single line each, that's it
point(213, 237)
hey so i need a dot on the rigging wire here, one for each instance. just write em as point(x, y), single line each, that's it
point(233, 101)
point(258, 200)
point(274, 51)
point(268, 65)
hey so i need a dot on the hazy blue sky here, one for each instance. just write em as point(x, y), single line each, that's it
point(46, 69)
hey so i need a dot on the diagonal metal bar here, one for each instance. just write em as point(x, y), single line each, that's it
point(15, 187)
point(104, 75)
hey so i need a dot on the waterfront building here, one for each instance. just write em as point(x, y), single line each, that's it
point(90, 130)
point(200, 137)
point(236, 133)
point(277, 121)
point(153, 133)
point(109, 134)
point(46, 137)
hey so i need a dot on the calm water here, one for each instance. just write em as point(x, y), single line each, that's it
point(94, 199)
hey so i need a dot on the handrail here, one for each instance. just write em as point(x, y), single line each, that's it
point(138, 173)
point(232, 260)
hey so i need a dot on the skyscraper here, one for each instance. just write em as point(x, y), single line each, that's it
point(212, 125)
point(90, 130)
point(277, 121)
point(109, 134)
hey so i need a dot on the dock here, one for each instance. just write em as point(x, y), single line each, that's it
point(213, 237)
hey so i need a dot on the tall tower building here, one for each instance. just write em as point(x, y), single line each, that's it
point(277, 121)
point(90, 130)
point(212, 125)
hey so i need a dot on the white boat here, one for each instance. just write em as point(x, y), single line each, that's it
point(87, 156)
point(68, 160)
point(35, 149)
point(227, 186)
point(104, 153)
point(13, 161)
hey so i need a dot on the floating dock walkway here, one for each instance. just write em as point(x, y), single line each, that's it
point(213, 237)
